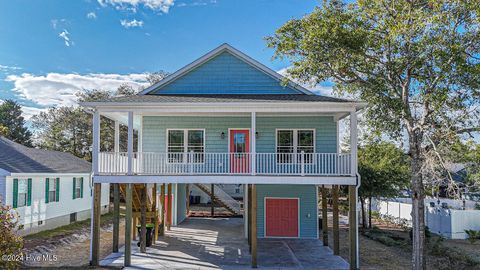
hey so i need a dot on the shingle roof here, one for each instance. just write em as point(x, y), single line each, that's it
point(17, 158)
point(221, 98)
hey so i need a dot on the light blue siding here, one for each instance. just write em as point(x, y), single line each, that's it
point(308, 206)
point(225, 74)
point(155, 130)
point(181, 202)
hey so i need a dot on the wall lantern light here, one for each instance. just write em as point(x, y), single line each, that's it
point(256, 135)
point(222, 135)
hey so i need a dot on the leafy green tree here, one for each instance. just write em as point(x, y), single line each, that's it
point(11, 118)
point(3, 131)
point(10, 242)
point(385, 172)
point(416, 62)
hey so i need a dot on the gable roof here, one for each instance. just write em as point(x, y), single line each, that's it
point(16, 158)
point(214, 53)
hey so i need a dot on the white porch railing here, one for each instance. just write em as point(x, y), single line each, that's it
point(151, 163)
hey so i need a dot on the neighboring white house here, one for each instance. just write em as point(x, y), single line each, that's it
point(48, 189)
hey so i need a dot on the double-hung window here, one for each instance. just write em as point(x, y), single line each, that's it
point(292, 142)
point(185, 145)
point(52, 190)
point(77, 187)
point(22, 192)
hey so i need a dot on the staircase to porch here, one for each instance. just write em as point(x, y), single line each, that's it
point(151, 212)
point(222, 198)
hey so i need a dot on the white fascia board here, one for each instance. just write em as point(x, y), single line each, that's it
point(215, 52)
point(227, 179)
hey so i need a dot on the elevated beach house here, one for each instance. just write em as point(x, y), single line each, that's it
point(47, 189)
point(227, 119)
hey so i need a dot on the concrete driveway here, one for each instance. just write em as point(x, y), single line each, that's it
point(205, 243)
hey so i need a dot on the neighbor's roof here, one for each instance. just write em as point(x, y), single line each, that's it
point(219, 98)
point(16, 158)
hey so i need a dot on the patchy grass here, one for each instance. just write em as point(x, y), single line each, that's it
point(441, 253)
point(33, 240)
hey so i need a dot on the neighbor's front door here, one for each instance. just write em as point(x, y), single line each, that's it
point(239, 150)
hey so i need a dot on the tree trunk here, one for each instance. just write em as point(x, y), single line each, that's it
point(418, 204)
point(370, 212)
point(364, 219)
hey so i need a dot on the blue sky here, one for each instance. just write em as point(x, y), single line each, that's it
point(51, 49)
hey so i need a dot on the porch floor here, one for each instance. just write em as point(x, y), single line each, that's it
point(206, 243)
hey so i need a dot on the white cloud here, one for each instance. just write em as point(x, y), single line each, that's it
point(59, 23)
point(57, 89)
point(9, 68)
point(156, 5)
point(28, 112)
point(91, 15)
point(132, 23)
point(317, 89)
point(65, 35)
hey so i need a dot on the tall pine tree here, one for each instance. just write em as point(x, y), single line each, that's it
point(13, 123)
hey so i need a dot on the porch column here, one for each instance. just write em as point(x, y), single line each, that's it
point(324, 216)
point(143, 219)
point(353, 226)
point(353, 143)
point(128, 226)
point(116, 216)
point(253, 229)
point(95, 141)
point(155, 211)
point(169, 210)
point(336, 231)
point(162, 213)
point(116, 138)
point(353, 194)
point(130, 144)
point(212, 200)
point(253, 143)
point(94, 227)
point(97, 193)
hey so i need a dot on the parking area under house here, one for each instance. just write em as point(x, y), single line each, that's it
point(219, 243)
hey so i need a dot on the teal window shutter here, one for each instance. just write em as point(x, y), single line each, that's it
point(29, 194)
point(57, 190)
point(73, 196)
point(81, 187)
point(15, 192)
point(47, 189)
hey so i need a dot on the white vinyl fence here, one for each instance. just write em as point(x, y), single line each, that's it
point(450, 223)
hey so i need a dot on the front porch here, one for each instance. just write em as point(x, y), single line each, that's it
point(206, 243)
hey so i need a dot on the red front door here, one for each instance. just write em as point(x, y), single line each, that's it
point(281, 217)
point(239, 151)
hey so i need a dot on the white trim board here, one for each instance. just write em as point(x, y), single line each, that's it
point(227, 179)
point(213, 53)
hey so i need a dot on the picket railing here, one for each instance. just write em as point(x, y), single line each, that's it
point(195, 163)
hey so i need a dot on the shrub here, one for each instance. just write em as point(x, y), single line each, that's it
point(10, 242)
point(473, 235)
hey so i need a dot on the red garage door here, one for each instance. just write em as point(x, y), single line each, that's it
point(281, 217)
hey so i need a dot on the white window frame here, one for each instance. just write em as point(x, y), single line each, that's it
point(185, 144)
point(26, 193)
point(54, 180)
point(78, 186)
point(295, 143)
